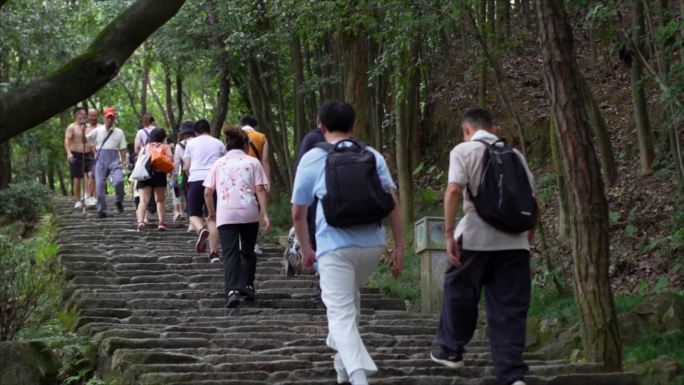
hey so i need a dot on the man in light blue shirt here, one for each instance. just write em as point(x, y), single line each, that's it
point(346, 256)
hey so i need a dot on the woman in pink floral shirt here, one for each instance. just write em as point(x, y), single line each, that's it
point(240, 184)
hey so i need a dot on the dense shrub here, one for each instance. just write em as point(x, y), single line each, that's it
point(29, 281)
point(25, 201)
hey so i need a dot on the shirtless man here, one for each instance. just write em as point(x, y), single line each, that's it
point(79, 153)
point(93, 123)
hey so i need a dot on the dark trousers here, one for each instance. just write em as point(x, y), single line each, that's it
point(238, 272)
point(505, 276)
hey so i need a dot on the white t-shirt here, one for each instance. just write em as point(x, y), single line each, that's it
point(116, 141)
point(465, 168)
point(202, 151)
point(142, 137)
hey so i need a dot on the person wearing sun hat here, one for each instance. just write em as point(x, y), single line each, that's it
point(110, 159)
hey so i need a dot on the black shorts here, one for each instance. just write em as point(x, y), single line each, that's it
point(76, 165)
point(158, 180)
point(195, 201)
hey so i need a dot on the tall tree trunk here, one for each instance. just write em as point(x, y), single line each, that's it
point(593, 47)
point(564, 225)
point(51, 175)
point(644, 135)
point(145, 80)
point(5, 164)
point(168, 88)
point(590, 238)
point(415, 137)
point(299, 95)
point(503, 19)
point(285, 142)
point(312, 104)
point(482, 85)
point(401, 113)
point(356, 90)
point(222, 62)
point(598, 126)
point(159, 104)
point(179, 99)
point(62, 185)
point(259, 93)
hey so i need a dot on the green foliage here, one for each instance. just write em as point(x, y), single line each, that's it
point(547, 303)
point(24, 201)
point(406, 287)
point(30, 277)
point(78, 354)
point(653, 345)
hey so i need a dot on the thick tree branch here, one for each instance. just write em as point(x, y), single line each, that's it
point(84, 75)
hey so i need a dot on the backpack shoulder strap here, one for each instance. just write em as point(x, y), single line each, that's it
point(325, 146)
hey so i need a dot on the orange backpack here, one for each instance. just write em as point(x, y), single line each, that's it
point(160, 159)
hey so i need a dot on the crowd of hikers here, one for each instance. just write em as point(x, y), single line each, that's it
point(342, 193)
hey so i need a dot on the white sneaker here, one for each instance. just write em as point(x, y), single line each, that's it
point(176, 217)
point(257, 249)
point(78, 205)
point(518, 383)
point(91, 202)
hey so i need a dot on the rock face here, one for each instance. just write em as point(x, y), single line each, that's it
point(157, 310)
point(27, 363)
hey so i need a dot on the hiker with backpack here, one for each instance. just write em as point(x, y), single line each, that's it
point(179, 177)
point(200, 154)
point(142, 138)
point(110, 160)
point(489, 248)
point(350, 238)
point(161, 165)
point(238, 182)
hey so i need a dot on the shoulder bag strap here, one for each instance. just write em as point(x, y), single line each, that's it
point(103, 143)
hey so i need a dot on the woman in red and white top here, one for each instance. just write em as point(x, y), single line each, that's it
point(240, 185)
point(156, 183)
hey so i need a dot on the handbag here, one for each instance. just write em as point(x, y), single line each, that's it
point(141, 171)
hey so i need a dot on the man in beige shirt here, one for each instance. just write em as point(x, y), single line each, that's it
point(483, 257)
point(79, 156)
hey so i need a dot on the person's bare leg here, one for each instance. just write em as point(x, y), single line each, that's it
point(90, 185)
point(76, 182)
point(160, 197)
point(213, 236)
point(145, 194)
point(197, 223)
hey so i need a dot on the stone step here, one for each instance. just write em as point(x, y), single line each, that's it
point(157, 310)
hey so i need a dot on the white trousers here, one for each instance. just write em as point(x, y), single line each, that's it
point(343, 272)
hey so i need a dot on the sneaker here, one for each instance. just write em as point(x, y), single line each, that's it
point(201, 244)
point(78, 205)
point(141, 226)
point(214, 257)
point(91, 202)
point(119, 207)
point(257, 249)
point(342, 375)
point(447, 357)
point(101, 214)
point(518, 382)
point(162, 227)
point(233, 299)
point(176, 217)
point(248, 292)
point(190, 229)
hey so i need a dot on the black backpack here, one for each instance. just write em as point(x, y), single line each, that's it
point(355, 195)
point(504, 196)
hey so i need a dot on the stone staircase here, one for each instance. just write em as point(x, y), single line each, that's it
point(157, 310)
